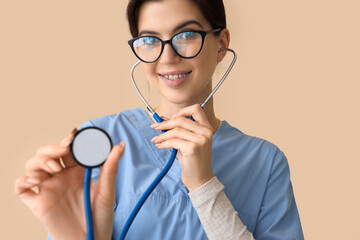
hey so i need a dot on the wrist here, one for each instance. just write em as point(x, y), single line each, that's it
point(195, 185)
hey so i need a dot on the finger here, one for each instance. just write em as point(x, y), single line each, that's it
point(38, 175)
point(67, 140)
point(183, 146)
point(164, 118)
point(194, 111)
point(107, 178)
point(56, 151)
point(67, 159)
point(52, 151)
point(60, 150)
point(41, 165)
point(180, 133)
point(23, 187)
point(185, 123)
point(47, 161)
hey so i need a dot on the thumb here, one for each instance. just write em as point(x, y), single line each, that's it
point(108, 172)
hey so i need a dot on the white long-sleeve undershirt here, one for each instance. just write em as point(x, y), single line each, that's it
point(216, 213)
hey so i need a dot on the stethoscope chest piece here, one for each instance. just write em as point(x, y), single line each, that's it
point(90, 147)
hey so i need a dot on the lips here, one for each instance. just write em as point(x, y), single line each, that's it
point(175, 78)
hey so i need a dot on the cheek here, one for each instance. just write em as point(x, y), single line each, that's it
point(149, 70)
point(206, 65)
point(208, 55)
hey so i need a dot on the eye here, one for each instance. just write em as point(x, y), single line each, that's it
point(146, 41)
point(185, 36)
point(150, 40)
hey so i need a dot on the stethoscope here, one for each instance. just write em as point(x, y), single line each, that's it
point(91, 146)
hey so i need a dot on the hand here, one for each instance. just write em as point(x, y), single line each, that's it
point(58, 203)
point(193, 139)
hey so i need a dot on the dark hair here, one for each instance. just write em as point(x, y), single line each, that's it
point(213, 11)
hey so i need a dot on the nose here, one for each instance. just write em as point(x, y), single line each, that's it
point(169, 55)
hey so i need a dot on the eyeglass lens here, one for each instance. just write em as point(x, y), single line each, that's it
point(186, 44)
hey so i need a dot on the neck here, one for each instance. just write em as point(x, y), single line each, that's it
point(168, 110)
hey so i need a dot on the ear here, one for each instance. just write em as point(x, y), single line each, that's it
point(223, 42)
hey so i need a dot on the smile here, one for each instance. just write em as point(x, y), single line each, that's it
point(174, 76)
point(174, 79)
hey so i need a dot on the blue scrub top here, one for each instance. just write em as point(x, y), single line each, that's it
point(255, 174)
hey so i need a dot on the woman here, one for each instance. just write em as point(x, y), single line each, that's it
point(191, 201)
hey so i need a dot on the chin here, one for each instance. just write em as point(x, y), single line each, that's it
point(181, 100)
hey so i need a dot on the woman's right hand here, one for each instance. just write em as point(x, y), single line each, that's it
point(58, 203)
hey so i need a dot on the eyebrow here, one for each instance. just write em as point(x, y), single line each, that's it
point(177, 28)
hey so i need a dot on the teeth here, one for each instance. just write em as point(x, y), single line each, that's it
point(176, 76)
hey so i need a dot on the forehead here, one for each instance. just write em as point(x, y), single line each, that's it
point(164, 16)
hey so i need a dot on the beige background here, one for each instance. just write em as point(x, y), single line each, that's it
point(296, 83)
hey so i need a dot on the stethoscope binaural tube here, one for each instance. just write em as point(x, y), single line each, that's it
point(206, 100)
point(223, 77)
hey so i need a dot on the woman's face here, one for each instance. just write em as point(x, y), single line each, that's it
point(164, 19)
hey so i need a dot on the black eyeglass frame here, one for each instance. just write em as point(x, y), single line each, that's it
point(202, 33)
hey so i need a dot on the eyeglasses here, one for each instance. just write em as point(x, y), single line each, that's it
point(186, 44)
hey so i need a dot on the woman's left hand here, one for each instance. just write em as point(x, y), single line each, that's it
point(193, 139)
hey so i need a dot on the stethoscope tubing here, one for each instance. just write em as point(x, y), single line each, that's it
point(87, 176)
point(147, 193)
point(87, 203)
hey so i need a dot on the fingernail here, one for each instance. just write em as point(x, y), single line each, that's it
point(55, 167)
point(155, 125)
point(32, 180)
point(154, 139)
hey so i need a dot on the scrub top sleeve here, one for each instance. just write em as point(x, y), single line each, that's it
point(85, 124)
point(278, 217)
